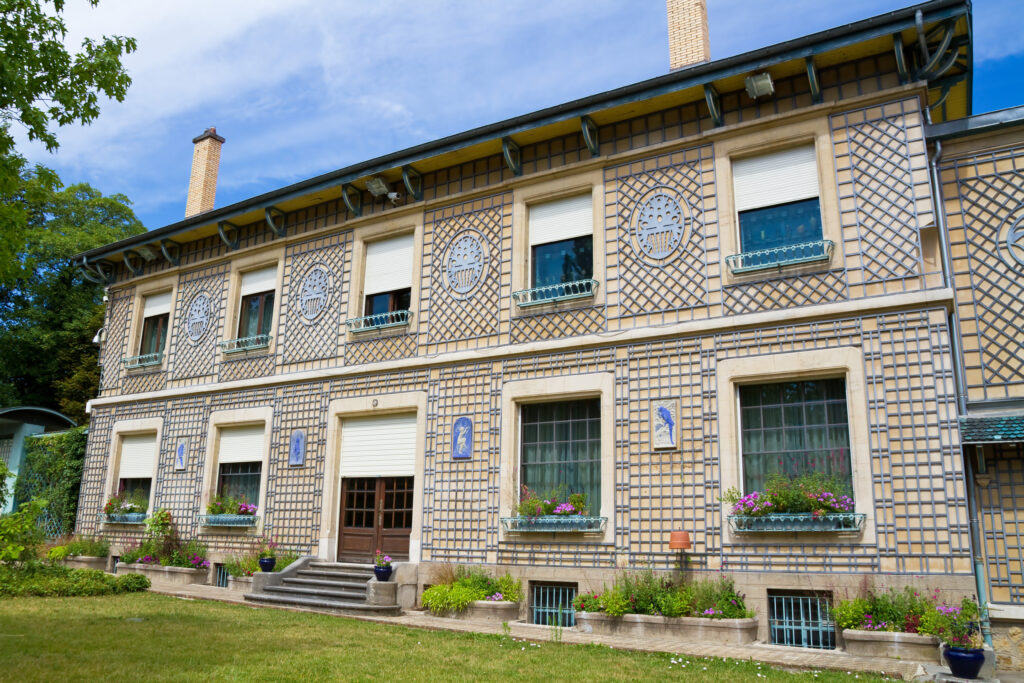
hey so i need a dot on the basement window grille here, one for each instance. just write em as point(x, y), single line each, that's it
point(222, 576)
point(801, 619)
point(552, 604)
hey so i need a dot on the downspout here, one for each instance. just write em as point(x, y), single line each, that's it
point(960, 380)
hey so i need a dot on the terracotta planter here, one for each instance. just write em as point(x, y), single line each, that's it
point(176, 575)
point(240, 584)
point(86, 562)
point(720, 631)
point(489, 611)
point(903, 646)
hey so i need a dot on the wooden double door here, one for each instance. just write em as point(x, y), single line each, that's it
point(376, 514)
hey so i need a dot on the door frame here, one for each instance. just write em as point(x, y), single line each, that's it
point(369, 406)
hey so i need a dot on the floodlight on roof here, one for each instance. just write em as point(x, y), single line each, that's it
point(759, 85)
point(377, 186)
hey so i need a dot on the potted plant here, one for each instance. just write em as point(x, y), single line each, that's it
point(126, 508)
point(957, 628)
point(555, 512)
point(268, 555)
point(812, 502)
point(228, 511)
point(382, 566)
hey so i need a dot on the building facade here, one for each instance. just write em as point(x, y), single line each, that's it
point(651, 296)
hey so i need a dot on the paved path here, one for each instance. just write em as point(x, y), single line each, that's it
point(786, 657)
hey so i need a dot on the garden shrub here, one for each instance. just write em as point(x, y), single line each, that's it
point(470, 585)
point(645, 593)
point(163, 546)
point(908, 611)
point(20, 533)
point(51, 469)
point(42, 580)
point(88, 546)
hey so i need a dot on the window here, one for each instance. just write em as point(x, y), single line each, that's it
point(256, 312)
point(135, 470)
point(801, 619)
point(552, 604)
point(794, 428)
point(387, 283)
point(240, 462)
point(561, 447)
point(777, 199)
point(561, 241)
point(156, 311)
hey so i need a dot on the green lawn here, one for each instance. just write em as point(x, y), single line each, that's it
point(149, 637)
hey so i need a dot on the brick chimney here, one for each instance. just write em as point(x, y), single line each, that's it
point(688, 40)
point(202, 184)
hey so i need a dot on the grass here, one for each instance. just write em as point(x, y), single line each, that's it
point(149, 637)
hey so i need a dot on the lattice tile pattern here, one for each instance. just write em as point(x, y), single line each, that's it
point(302, 339)
point(1001, 513)
point(787, 292)
point(188, 359)
point(115, 338)
point(553, 325)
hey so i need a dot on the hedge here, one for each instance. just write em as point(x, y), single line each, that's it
point(51, 469)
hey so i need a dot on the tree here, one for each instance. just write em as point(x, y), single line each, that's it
point(48, 311)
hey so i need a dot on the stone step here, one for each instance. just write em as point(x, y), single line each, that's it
point(315, 592)
point(341, 566)
point(333, 575)
point(326, 605)
point(328, 583)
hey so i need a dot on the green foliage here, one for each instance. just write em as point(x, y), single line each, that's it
point(126, 502)
point(954, 625)
point(247, 564)
point(5, 475)
point(52, 470)
point(717, 598)
point(814, 493)
point(20, 535)
point(89, 546)
point(533, 504)
point(58, 581)
point(911, 611)
point(242, 565)
point(615, 603)
point(163, 546)
point(677, 603)
point(850, 613)
point(645, 593)
point(470, 584)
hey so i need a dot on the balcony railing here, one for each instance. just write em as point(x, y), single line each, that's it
point(548, 524)
point(797, 522)
point(259, 341)
point(777, 257)
point(379, 321)
point(228, 520)
point(551, 293)
point(146, 360)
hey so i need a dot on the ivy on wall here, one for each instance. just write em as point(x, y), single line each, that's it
point(51, 469)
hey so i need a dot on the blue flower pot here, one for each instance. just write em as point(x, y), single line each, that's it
point(382, 573)
point(964, 663)
point(267, 564)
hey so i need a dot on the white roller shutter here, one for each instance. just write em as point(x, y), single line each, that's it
point(388, 265)
point(157, 304)
point(777, 178)
point(379, 446)
point(262, 280)
point(138, 452)
point(241, 444)
point(561, 219)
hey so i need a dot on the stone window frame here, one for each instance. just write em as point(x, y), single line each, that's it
point(219, 420)
point(845, 361)
point(160, 285)
point(552, 189)
point(233, 307)
point(552, 389)
point(121, 429)
point(764, 140)
point(378, 405)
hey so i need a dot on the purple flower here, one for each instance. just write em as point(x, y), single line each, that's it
point(495, 597)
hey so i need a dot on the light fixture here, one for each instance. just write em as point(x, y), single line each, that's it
point(679, 540)
point(146, 253)
point(759, 85)
point(377, 186)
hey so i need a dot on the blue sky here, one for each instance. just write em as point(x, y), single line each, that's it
point(300, 88)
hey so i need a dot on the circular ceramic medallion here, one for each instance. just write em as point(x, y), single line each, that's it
point(314, 291)
point(659, 223)
point(1013, 244)
point(466, 262)
point(197, 320)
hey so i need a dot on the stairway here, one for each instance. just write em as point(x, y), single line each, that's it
point(338, 587)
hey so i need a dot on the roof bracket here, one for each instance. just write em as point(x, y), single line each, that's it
point(590, 135)
point(930, 63)
point(173, 259)
point(714, 106)
point(901, 58)
point(231, 242)
point(513, 155)
point(126, 256)
point(94, 272)
point(413, 180)
point(346, 196)
point(942, 98)
point(271, 213)
point(812, 80)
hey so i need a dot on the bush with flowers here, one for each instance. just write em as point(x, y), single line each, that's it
point(227, 505)
point(644, 592)
point(468, 586)
point(912, 611)
point(556, 502)
point(816, 494)
point(125, 503)
point(164, 547)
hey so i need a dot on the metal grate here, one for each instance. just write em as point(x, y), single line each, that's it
point(222, 576)
point(552, 604)
point(801, 620)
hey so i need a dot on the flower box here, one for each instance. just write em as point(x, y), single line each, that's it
point(579, 524)
point(228, 520)
point(488, 611)
point(718, 631)
point(160, 574)
point(125, 518)
point(240, 584)
point(903, 646)
point(797, 522)
point(85, 562)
